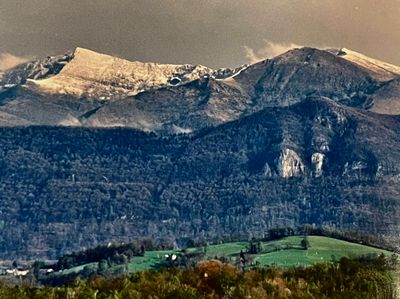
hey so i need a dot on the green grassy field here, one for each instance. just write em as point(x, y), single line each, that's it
point(150, 258)
point(322, 249)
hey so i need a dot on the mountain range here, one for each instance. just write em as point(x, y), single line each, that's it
point(95, 148)
point(84, 88)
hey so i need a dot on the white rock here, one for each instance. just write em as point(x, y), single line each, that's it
point(267, 170)
point(317, 160)
point(289, 164)
point(180, 130)
point(354, 167)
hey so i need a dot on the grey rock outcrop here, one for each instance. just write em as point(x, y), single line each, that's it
point(289, 164)
point(317, 161)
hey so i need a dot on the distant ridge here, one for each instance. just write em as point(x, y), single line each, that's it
point(85, 88)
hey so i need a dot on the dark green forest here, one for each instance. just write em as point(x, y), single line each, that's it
point(65, 189)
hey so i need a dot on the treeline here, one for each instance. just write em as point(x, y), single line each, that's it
point(118, 253)
point(367, 277)
point(115, 253)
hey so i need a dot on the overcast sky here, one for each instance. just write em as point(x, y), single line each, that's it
point(215, 33)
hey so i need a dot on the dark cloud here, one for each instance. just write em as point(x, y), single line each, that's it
point(210, 32)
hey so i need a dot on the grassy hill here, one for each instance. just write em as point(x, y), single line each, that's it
point(286, 252)
point(322, 249)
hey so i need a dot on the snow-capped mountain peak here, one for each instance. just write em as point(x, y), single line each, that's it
point(101, 76)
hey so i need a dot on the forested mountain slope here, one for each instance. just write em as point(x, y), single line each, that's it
point(315, 162)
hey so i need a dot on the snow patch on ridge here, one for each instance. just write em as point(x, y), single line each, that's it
point(93, 75)
point(382, 70)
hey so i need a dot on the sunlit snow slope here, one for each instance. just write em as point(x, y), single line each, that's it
point(382, 70)
point(105, 77)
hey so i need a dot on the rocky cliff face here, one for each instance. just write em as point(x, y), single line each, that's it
point(35, 70)
point(289, 164)
point(387, 98)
